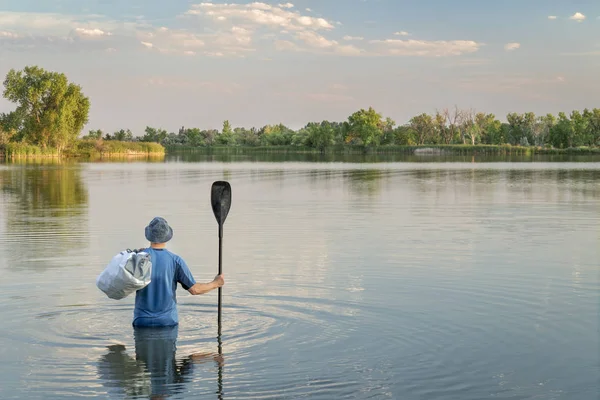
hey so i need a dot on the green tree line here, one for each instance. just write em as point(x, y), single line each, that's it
point(51, 113)
point(367, 127)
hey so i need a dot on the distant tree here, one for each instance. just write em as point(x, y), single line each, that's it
point(94, 134)
point(423, 126)
point(320, 136)
point(365, 125)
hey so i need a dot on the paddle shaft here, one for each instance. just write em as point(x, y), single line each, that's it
point(220, 268)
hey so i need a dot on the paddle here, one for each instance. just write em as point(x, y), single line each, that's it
point(220, 199)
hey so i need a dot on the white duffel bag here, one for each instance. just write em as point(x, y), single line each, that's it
point(126, 273)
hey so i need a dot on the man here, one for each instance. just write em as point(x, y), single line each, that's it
point(156, 304)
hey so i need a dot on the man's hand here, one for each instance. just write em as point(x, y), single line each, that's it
point(219, 280)
point(201, 288)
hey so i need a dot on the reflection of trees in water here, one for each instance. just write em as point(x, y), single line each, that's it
point(154, 372)
point(365, 181)
point(554, 184)
point(45, 209)
point(245, 155)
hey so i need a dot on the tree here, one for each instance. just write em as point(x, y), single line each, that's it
point(593, 122)
point(561, 134)
point(366, 126)
point(423, 126)
point(94, 134)
point(5, 135)
point(387, 129)
point(320, 136)
point(453, 121)
point(226, 128)
point(51, 111)
point(489, 127)
point(543, 128)
point(154, 135)
point(123, 136)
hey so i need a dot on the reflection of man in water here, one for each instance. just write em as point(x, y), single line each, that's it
point(155, 371)
point(156, 304)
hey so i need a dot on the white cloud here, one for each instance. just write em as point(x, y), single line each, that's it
point(350, 38)
point(313, 39)
point(260, 14)
point(308, 10)
point(177, 39)
point(10, 35)
point(317, 42)
point(51, 31)
point(424, 48)
point(53, 24)
point(579, 17)
point(552, 17)
point(91, 32)
point(232, 30)
point(512, 46)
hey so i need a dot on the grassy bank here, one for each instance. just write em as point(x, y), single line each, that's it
point(424, 150)
point(92, 149)
point(22, 150)
point(112, 148)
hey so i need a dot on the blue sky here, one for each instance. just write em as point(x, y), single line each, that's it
point(194, 64)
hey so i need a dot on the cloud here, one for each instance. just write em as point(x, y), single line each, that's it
point(579, 17)
point(552, 17)
point(512, 46)
point(10, 35)
point(231, 42)
point(83, 32)
point(424, 48)
point(53, 24)
point(165, 40)
point(213, 30)
point(63, 32)
point(260, 14)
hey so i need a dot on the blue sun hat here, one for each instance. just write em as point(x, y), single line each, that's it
point(158, 231)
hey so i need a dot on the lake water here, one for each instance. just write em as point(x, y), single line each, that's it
point(389, 280)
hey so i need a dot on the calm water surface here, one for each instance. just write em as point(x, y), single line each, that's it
point(424, 281)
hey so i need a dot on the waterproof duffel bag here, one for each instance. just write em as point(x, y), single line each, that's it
point(126, 273)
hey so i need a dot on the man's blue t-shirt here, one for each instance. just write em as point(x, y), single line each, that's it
point(156, 304)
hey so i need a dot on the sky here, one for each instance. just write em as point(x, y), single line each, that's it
point(192, 64)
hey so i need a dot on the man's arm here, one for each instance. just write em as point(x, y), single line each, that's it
point(202, 288)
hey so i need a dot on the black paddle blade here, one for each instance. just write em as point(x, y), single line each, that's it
point(220, 199)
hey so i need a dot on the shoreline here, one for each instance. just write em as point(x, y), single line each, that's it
point(423, 150)
point(88, 150)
